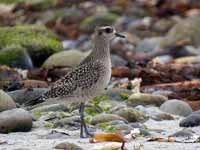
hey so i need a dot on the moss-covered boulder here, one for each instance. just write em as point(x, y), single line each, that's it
point(11, 1)
point(69, 58)
point(38, 41)
point(15, 56)
point(36, 4)
point(89, 23)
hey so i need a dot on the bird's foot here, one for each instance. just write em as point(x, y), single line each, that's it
point(86, 132)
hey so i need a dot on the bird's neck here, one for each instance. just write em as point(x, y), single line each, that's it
point(101, 49)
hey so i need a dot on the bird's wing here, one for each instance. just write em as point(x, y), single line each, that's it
point(84, 76)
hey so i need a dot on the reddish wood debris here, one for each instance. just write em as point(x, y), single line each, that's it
point(189, 90)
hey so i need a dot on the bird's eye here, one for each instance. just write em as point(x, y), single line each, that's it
point(108, 30)
point(100, 32)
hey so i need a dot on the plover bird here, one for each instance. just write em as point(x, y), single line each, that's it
point(89, 78)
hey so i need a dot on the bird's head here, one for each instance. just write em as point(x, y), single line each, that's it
point(107, 32)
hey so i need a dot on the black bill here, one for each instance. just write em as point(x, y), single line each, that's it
point(120, 35)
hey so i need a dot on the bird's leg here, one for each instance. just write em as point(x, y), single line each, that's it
point(83, 125)
point(81, 113)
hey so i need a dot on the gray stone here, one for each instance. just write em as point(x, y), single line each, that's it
point(117, 94)
point(163, 116)
point(100, 118)
point(123, 127)
point(6, 102)
point(149, 44)
point(70, 58)
point(99, 19)
point(183, 133)
point(57, 135)
point(51, 107)
point(176, 107)
point(185, 30)
point(146, 99)
point(15, 120)
point(67, 146)
point(190, 121)
point(69, 122)
point(22, 96)
point(118, 61)
point(132, 115)
point(117, 122)
point(163, 25)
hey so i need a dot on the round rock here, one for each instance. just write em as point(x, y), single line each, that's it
point(15, 120)
point(176, 107)
point(191, 121)
point(70, 58)
point(105, 118)
point(149, 44)
point(146, 99)
point(51, 107)
point(6, 102)
point(22, 96)
point(132, 115)
point(183, 133)
point(67, 146)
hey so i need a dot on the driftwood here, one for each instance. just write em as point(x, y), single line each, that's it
point(188, 90)
point(159, 73)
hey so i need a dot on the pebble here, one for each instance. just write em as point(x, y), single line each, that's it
point(146, 99)
point(100, 118)
point(176, 107)
point(24, 95)
point(70, 58)
point(67, 146)
point(51, 107)
point(149, 44)
point(70, 123)
point(190, 121)
point(15, 120)
point(183, 133)
point(132, 115)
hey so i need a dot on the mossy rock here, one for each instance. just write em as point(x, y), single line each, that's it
point(89, 23)
point(44, 4)
point(15, 56)
point(11, 1)
point(68, 14)
point(69, 58)
point(39, 42)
